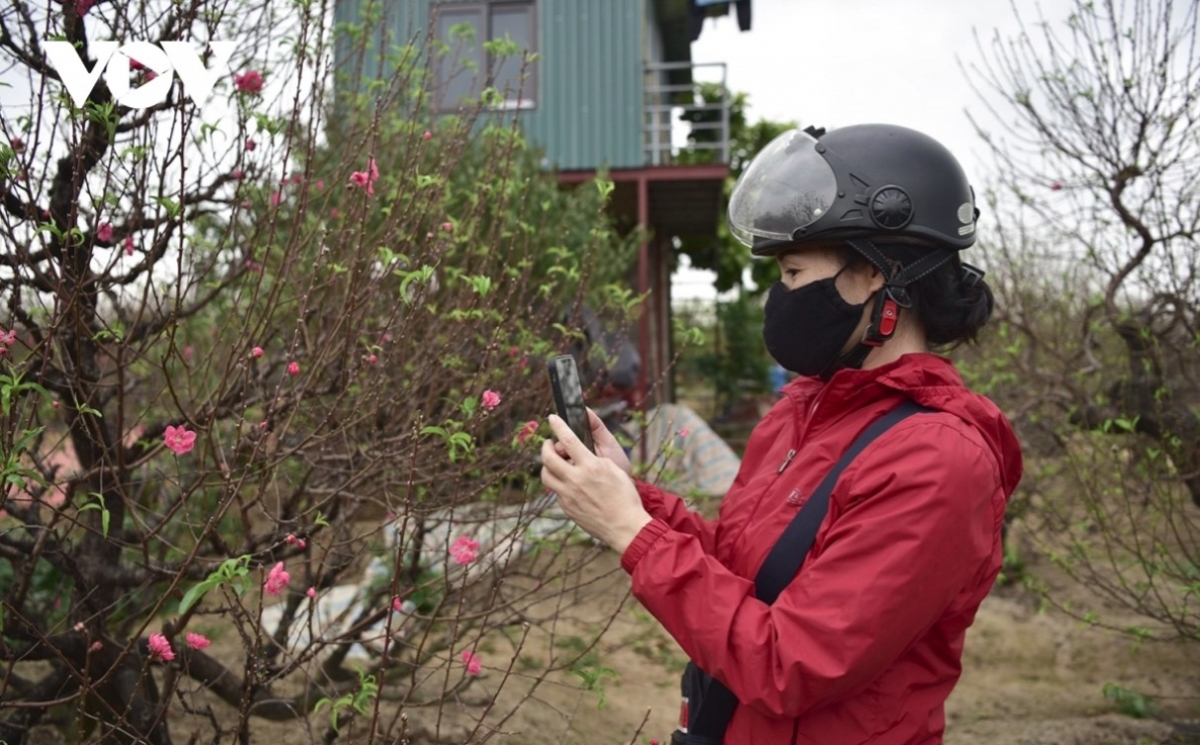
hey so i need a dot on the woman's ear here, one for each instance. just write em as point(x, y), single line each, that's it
point(861, 282)
point(877, 280)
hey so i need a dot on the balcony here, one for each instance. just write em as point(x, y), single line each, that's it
point(685, 120)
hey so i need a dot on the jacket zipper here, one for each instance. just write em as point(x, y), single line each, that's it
point(791, 453)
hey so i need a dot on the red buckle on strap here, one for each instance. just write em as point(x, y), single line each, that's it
point(887, 320)
point(883, 321)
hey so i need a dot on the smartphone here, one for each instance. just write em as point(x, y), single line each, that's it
point(568, 397)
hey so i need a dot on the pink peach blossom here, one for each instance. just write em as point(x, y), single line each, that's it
point(427, 136)
point(527, 431)
point(293, 368)
point(250, 145)
point(104, 232)
point(490, 399)
point(257, 351)
point(197, 641)
point(277, 579)
point(7, 340)
point(366, 179)
point(311, 593)
point(250, 81)
point(472, 661)
point(464, 550)
point(129, 245)
point(160, 648)
point(179, 439)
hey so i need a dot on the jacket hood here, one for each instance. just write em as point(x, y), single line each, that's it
point(932, 381)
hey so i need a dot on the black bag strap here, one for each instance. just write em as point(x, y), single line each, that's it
point(708, 723)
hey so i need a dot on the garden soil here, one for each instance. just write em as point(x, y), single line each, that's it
point(1031, 676)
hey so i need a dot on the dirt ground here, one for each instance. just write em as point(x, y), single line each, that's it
point(1031, 677)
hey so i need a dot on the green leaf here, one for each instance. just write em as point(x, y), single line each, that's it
point(192, 596)
point(98, 505)
point(481, 283)
point(172, 207)
point(232, 572)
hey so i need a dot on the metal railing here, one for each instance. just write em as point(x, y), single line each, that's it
point(666, 133)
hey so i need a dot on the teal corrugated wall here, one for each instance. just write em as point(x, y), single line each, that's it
point(589, 76)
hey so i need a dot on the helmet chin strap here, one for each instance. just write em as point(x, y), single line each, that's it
point(890, 300)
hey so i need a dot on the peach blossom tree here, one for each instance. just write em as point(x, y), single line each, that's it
point(271, 383)
point(1094, 259)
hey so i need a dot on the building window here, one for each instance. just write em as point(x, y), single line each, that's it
point(464, 67)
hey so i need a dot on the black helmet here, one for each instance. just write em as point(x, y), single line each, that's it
point(877, 181)
point(894, 195)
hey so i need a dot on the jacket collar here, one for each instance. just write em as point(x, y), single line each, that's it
point(916, 375)
point(926, 378)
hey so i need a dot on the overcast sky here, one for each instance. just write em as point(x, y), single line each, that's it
point(836, 62)
point(839, 62)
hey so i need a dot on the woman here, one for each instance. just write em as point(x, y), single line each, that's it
point(864, 644)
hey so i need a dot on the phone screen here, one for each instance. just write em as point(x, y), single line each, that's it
point(568, 397)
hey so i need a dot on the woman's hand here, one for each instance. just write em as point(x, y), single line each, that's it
point(594, 491)
point(607, 445)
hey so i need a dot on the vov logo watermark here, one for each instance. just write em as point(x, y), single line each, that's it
point(113, 60)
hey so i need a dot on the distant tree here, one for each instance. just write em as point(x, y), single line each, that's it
point(721, 253)
point(1096, 199)
point(733, 361)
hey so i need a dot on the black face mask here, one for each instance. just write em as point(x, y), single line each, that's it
point(806, 328)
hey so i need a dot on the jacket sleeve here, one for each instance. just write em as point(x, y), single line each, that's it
point(920, 531)
point(672, 510)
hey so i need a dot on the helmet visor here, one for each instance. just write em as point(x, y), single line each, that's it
point(787, 186)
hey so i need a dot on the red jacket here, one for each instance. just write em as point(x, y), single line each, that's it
point(866, 643)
